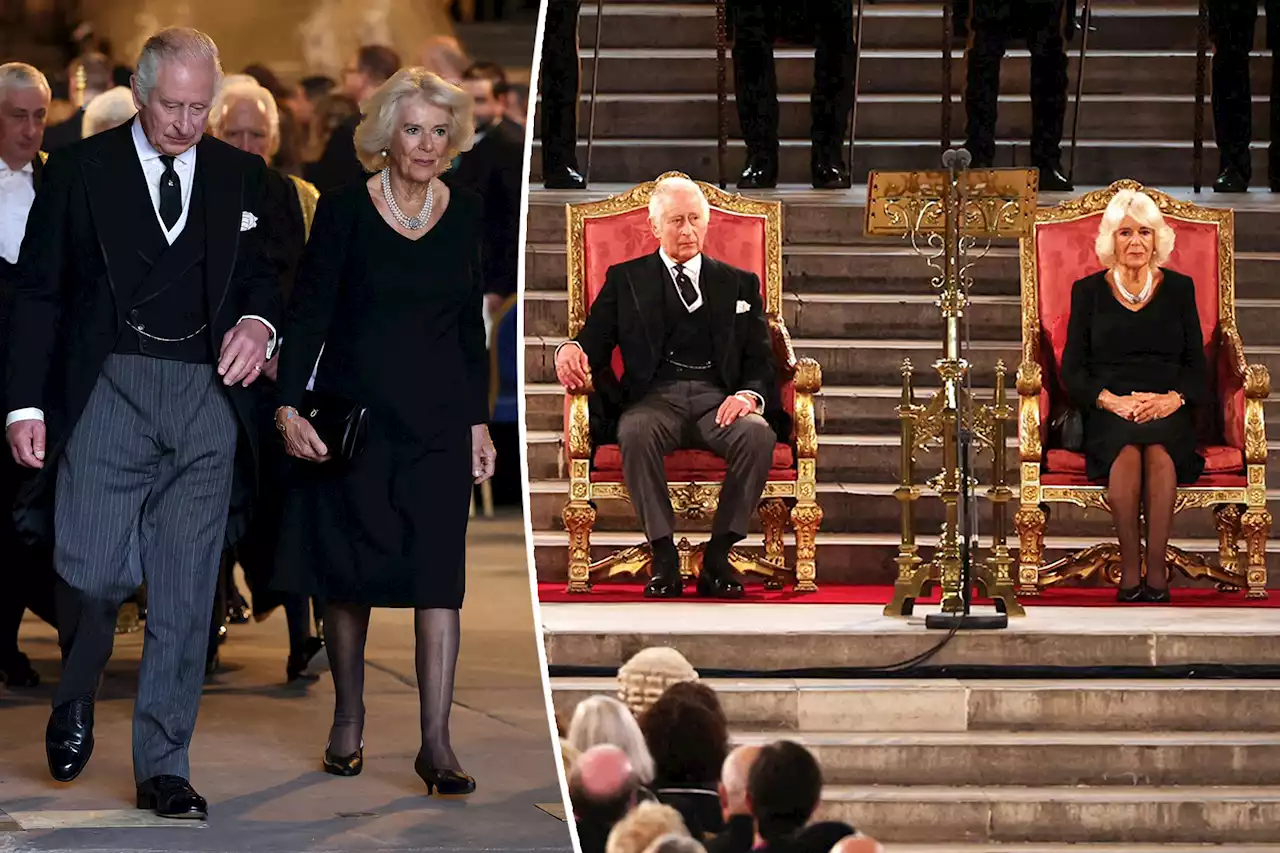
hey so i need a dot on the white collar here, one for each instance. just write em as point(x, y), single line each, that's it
point(147, 151)
point(693, 266)
point(29, 168)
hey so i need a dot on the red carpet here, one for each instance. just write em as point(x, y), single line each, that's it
point(629, 593)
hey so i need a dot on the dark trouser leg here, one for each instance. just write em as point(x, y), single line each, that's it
point(1273, 41)
point(1048, 89)
point(297, 614)
point(1124, 494)
point(1231, 24)
point(755, 79)
point(982, 92)
point(833, 62)
point(86, 635)
point(647, 432)
point(181, 540)
point(746, 446)
point(560, 84)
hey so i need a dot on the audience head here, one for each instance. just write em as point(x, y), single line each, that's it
point(267, 79)
point(1133, 233)
point(24, 108)
point(687, 734)
point(857, 844)
point(675, 843)
point(444, 55)
point(733, 781)
point(111, 109)
point(245, 115)
point(178, 75)
point(515, 103)
point(642, 826)
point(485, 82)
point(648, 674)
point(679, 214)
point(415, 123)
point(304, 97)
point(371, 67)
point(783, 789)
point(89, 76)
point(604, 720)
point(602, 785)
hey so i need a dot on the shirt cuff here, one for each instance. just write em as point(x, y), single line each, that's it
point(273, 341)
point(755, 398)
point(16, 415)
point(564, 344)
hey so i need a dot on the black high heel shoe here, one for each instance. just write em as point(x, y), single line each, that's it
point(446, 783)
point(340, 765)
point(1151, 595)
point(1131, 595)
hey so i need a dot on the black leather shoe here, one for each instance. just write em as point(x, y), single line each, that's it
point(16, 671)
point(1052, 180)
point(68, 739)
point(716, 578)
point(659, 587)
point(829, 173)
point(760, 173)
point(1130, 595)
point(666, 582)
point(172, 797)
point(343, 765)
point(446, 783)
point(563, 178)
point(1230, 181)
point(1151, 595)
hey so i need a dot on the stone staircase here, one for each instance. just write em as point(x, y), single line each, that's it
point(860, 305)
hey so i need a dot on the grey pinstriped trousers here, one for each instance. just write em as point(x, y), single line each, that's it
point(148, 466)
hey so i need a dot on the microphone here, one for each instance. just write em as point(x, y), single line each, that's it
point(956, 159)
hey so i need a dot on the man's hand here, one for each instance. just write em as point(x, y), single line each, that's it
point(493, 301)
point(300, 438)
point(244, 351)
point(572, 367)
point(733, 408)
point(26, 442)
point(1153, 407)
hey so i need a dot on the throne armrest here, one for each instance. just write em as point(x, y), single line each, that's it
point(1029, 387)
point(808, 382)
point(782, 349)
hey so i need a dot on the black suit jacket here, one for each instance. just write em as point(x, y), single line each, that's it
point(62, 134)
point(76, 270)
point(338, 165)
point(628, 314)
point(494, 169)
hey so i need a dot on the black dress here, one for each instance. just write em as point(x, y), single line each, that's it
point(1157, 348)
point(400, 321)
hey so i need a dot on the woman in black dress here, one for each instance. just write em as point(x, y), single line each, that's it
point(1134, 366)
point(390, 287)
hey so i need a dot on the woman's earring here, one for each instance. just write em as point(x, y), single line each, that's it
point(386, 153)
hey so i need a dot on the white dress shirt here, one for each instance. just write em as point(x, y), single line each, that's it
point(184, 165)
point(17, 192)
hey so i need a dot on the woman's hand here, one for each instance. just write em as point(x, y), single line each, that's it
point(1153, 407)
point(1123, 407)
point(483, 454)
point(300, 438)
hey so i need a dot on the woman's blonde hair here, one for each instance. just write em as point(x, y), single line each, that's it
point(382, 113)
point(642, 826)
point(1144, 210)
point(604, 720)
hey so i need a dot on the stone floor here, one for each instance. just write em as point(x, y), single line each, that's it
point(256, 754)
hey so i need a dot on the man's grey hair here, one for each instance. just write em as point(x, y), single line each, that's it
point(175, 43)
point(111, 109)
point(20, 75)
point(242, 87)
point(668, 187)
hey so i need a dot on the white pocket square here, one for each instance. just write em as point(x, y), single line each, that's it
point(247, 221)
point(743, 307)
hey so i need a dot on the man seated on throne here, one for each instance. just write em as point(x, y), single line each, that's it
point(699, 373)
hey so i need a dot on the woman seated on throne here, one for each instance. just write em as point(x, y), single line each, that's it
point(1134, 367)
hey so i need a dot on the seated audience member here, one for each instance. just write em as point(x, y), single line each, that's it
point(857, 844)
point(648, 674)
point(642, 826)
point(1134, 367)
point(688, 737)
point(602, 788)
point(784, 789)
point(735, 810)
point(604, 720)
point(699, 365)
point(673, 843)
point(111, 109)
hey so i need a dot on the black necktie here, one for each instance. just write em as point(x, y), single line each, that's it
point(170, 193)
point(687, 291)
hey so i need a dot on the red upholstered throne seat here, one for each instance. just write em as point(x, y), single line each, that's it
point(746, 233)
point(1232, 438)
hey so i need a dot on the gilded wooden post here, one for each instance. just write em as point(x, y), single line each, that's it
point(908, 586)
point(1000, 561)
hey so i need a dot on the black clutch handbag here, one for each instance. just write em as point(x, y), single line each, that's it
point(341, 424)
point(1068, 429)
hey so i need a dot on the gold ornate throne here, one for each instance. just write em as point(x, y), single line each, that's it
point(748, 234)
point(1232, 438)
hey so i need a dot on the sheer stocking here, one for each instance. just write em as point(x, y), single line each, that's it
point(346, 628)
point(439, 634)
point(1160, 487)
point(1124, 493)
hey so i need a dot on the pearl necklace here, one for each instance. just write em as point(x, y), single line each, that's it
point(1139, 297)
point(424, 215)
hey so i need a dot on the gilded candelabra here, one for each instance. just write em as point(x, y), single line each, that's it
point(946, 214)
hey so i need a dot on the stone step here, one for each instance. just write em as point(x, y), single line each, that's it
point(1012, 814)
point(674, 70)
point(947, 705)
point(1153, 162)
point(891, 115)
point(836, 219)
point(889, 25)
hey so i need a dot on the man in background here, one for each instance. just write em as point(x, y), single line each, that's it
point(559, 92)
point(371, 66)
point(88, 77)
point(1231, 26)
